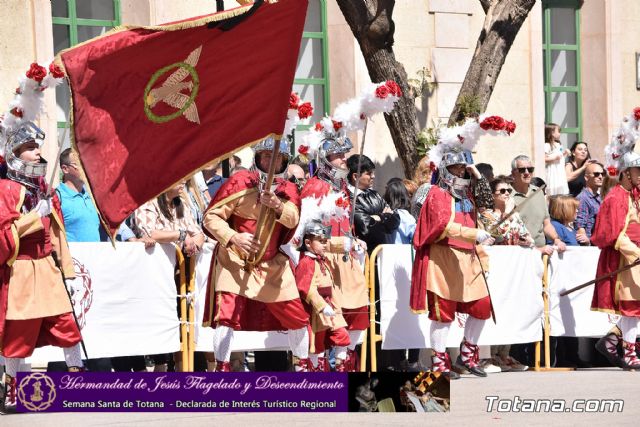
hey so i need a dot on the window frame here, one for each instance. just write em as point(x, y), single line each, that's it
point(72, 22)
point(548, 48)
point(324, 81)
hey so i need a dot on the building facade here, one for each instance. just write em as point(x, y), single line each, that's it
point(573, 62)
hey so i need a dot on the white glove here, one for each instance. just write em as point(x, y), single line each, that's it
point(43, 208)
point(482, 236)
point(328, 311)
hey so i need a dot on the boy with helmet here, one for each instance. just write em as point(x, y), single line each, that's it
point(322, 297)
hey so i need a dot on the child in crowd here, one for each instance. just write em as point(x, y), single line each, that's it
point(554, 156)
point(398, 198)
point(563, 211)
point(321, 297)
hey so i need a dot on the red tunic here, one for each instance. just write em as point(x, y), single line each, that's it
point(32, 244)
point(446, 267)
point(610, 223)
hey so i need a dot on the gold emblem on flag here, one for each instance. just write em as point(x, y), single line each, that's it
point(176, 91)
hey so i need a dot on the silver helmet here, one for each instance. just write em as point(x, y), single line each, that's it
point(316, 228)
point(458, 187)
point(630, 159)
point(267, 145)
point(27, 173)
point(333, 144)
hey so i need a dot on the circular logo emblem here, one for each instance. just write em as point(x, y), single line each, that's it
point(82, 292)
point(37, 391)
point(174, 88)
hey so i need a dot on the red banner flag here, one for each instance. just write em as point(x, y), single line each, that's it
point(151, 105)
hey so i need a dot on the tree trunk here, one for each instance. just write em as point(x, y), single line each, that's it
point(373, 27)
point(501, 25)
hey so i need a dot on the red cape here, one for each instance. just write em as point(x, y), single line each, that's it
point(255, 316)
point(610, 222)
point(10, 206)
point(433, 220)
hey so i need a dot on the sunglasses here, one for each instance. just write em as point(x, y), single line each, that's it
point(598, 174)
point(504, 191)
point(523, 170)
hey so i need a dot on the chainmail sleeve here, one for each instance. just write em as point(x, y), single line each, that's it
point(418, 199)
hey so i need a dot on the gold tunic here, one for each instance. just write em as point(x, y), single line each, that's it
point(268, 281)
point(36, 288)
point(321, 283)
point(455, 274)
point(628, 282)
point(355, 292)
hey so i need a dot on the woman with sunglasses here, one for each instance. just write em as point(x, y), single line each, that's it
point(511, 231)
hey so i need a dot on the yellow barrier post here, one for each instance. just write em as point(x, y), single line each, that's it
point(547, 325)
point(183, 309)
point(373, 336)
point(191, 347)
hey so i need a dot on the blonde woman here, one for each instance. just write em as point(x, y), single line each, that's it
point(422, 178)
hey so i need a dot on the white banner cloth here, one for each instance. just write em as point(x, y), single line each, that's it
point(125, 300)
point(242, 340)
point(515, 283)
point(571, 315)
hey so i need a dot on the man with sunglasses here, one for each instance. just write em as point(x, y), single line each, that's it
point(590, 201)
point(296, 175)
point(534, 213)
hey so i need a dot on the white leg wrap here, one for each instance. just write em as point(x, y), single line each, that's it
point(299, 342)
point(341, 353)
point(11, 365)
point(629, 327)
point(314, 358)
point(73, 356)
point(222, 339)
point(472, 329)
point(355, 337)
point(439, 333)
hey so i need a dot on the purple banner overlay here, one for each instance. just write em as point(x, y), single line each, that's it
point(184, 391)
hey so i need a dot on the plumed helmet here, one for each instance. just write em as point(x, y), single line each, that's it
point(333, 144)
point(27, 173)
point(318, 229)
point(267, 145)
point(453, 184)
point(630, 159)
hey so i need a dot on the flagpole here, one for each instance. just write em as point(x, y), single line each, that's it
point(262, 218)
point(57, 162)
point(355, 187)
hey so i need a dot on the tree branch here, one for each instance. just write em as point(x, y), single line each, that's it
point(486, 4)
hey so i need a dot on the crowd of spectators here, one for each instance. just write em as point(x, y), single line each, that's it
point(560, 212)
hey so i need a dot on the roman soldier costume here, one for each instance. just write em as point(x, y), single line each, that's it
point(329, 186)
point(35, 309)
point(617, 234)
point(323, 300)
point(258, 294)
point(447, 275)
